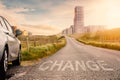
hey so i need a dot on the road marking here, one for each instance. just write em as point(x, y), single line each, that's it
point(68, 65)
point(43, 67)
point(56, 64)
point(92, 66)
point(75, 65)
point(103, 65)
point(82, 65)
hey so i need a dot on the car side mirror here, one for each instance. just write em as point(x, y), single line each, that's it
point(18, 33)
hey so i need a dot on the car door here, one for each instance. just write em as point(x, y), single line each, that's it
point(3, 39)
point(13, 43)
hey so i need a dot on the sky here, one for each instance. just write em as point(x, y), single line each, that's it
point(49, 17)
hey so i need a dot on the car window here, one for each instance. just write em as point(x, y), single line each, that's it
point(8, 26)
point(2, 24)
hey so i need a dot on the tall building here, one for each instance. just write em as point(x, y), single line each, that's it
point(78, 26)
point(78, 19)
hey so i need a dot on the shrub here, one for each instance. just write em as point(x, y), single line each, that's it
point(42, 51)
point(101, 44)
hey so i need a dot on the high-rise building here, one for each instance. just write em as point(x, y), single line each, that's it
point(78, 19)
point(78, 26)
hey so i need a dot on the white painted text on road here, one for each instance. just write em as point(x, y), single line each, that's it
point(75, 65)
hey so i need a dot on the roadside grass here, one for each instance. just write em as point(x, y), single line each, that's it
point(41, 51)
point(114, 46)
point(106, 39)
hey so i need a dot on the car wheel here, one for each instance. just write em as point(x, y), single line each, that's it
point(17, 62)
point(4, 65)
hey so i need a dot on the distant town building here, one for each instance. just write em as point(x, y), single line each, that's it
point(25, 33)
point(63, 32)
point(78, 27)
point(78, 19)
point(29, 33)
point(67, 31)
point(95, 28)
point(70, 30)
point(73, 30)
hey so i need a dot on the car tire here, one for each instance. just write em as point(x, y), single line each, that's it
point(4, 65)
point(17, 62)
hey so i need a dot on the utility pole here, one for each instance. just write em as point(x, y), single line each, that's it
point(27, 43)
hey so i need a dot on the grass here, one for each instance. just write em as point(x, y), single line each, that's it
point(113, 46)
point(41, 51)
point(106, 39)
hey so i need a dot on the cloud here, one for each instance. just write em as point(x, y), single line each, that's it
point(54, 13)
point(20, 10)
point(41, 29)
point(60, 15)
point(11, 14)
point(51, 16)
point(16, 17)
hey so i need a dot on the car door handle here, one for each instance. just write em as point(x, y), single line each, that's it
point(7, 33)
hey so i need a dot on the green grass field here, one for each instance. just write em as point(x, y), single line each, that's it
point(108, 45)
point(40, 47)
point(106, 39)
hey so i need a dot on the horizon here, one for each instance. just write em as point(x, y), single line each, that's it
point(51, 17)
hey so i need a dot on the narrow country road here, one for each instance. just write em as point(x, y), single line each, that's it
point(75, 61)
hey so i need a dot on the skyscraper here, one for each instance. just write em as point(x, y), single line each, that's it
point(78, 19)
point(78, 27)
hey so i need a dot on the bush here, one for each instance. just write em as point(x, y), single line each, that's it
point(101, 44)
point(42, 51)
point(106, 39)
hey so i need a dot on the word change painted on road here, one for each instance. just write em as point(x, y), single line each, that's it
point(75, 65)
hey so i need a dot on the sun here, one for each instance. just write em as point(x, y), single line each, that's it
point(113, 14)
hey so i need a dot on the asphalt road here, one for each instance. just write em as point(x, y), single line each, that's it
point(75, 61)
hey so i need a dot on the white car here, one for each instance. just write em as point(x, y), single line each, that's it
point(10, 46)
